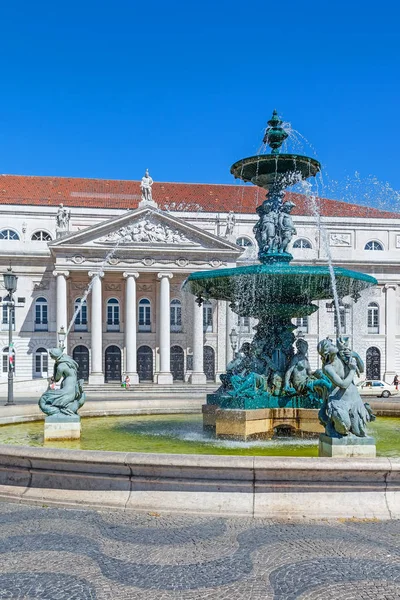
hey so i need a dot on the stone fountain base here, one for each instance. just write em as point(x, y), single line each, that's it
point(62, 427)
point(262, 422)
point(347, 447)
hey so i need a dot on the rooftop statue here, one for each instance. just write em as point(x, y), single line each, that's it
point(145, 186)
point(230, 223)
point(343, 411)
point(70, 397)
point(63, 218)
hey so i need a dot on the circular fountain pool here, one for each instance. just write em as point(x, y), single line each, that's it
point(183, 434)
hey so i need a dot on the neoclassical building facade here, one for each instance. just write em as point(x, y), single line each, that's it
point(109, 267)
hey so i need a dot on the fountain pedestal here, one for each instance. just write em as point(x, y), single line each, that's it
point(349, 446)
point(62, 427)
point(262, 422)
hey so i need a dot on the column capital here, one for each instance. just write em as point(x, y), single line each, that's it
point(164, 274)
point(390, 286)
point(127, 274)
point(63, 273)
point(99, 274)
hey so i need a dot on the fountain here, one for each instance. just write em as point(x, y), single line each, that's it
point(267, 386)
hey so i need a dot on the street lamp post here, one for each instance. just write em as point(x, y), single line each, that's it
point(10, 284)
point(233, 336)
point(61, 337)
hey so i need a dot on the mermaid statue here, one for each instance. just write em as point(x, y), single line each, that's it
point(70, 397)
point(343, 412)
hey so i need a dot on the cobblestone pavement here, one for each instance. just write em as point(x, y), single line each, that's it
point(60, 554)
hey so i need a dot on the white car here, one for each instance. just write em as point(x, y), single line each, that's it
point(375, 387)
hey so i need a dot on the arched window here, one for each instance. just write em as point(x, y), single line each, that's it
point(207, 316)
point(176, 315)
point(41, 315)
point(81, 317)
point(144, 315)
point(8, 358)
point(41, 236)
point(8, 234)
point(373, 318)
point(373, 245)
point(302, 243)
point(41, 363)
point(244, 242)
point(112, 315)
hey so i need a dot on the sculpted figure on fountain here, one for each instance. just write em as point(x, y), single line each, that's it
point(286, 226)
point(300, 380)
point(70, 397)
point(343, 412)
point(275, 227)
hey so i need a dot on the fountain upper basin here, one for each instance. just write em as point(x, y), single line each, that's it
point(276, 288)
point(264, 169)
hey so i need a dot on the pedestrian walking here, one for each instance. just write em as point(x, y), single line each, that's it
point(396, 382)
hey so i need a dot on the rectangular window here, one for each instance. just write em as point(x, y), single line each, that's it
point(144, 315)
point(244, 324)
point(373, 320)
point(81, 317)
point(113, 317)
point(302, 324)
point(4, 319)
point(342, 319)
point(207, 318)
point(175, 317)
point(41, 317)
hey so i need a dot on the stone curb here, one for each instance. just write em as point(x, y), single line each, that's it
point(270, 487)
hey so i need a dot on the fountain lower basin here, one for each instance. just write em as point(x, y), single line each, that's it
point(280, 486)
point(277, 288)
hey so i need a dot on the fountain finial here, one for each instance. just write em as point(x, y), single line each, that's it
point(275, 135)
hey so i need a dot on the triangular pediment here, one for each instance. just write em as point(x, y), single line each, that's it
point(145, 227)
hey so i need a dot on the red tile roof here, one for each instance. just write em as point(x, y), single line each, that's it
point(108, 193)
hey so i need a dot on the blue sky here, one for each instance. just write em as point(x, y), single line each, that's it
point(106, 89)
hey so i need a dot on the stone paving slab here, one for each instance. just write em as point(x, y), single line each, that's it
point(59, 554)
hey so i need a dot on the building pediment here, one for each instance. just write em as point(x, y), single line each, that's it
point(146, 229)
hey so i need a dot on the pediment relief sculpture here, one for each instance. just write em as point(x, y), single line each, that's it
point(145, 231)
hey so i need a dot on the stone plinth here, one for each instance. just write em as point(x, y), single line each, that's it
point(262, 422)
point(62, 427)
point(347, 447)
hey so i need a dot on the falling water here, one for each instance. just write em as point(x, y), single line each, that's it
point(312, 201)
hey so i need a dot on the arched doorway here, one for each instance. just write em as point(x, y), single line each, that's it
point(209, 363)
point(80, 355)
point(177, 363)
point(145, 363)
point(373, 363)
point(113, 364)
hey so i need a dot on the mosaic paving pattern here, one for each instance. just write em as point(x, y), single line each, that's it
point(57, 554)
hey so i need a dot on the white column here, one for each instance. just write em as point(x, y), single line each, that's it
point(96, 373)
point(391, 320)
point(164, 375)
point(198, 376)
point(131, 327)
point(61, 306)
point(231, 323)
